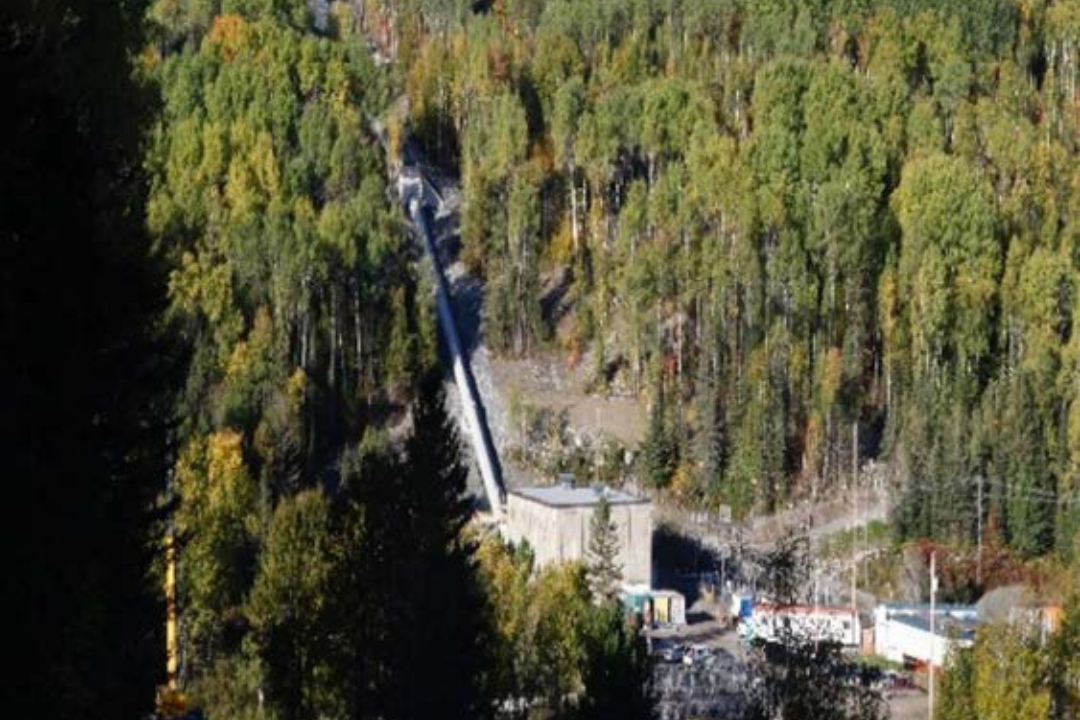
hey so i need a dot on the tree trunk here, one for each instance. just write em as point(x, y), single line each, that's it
point(574, 211)
point(359, 329)
point(331, 369)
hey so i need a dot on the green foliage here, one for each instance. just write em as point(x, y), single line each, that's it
point(557, 648)
point(267, 200)
point(810, 214)
point(949, 261)
point(618, 673)
point(843, 211)
point(291, 284)
point(1029, 500)
point(1064, 650)
point(794, 678)
point(287, 607)
point(603, 569)
point(957, 685)
point(296, 611)
point(218, 525)
point(658, 457)
point(423, 654)
point(1015, 670)
point(1010, 675)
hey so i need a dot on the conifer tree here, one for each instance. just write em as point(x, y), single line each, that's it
point(709, 440)
point(604, 570)
point(956, 701)
point(658, 452)
point(443, 651)
point(1029, 511)
point(617, 674)
point(287, 607)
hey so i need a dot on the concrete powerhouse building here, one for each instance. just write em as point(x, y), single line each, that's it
point(555, 521)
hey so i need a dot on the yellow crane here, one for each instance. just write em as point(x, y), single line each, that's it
point(171, 703)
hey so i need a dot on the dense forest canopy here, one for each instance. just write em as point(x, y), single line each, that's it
point(268, 196)
point(780, 219)
point(783, 225)
point(318, 496)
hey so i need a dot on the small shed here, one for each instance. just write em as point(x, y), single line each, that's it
point(656, 608)
point(669, 608)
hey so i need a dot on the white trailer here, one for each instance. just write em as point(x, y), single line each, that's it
point(804, 624)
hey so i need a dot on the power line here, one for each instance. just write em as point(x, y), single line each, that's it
point(1031, 494)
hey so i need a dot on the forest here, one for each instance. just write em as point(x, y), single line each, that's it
point(318, 493)
point(778, 221)
point(779, 225)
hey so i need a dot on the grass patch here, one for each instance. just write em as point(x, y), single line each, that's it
point(876, 533)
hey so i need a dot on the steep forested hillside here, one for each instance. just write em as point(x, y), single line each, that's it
point(317, 496)
point(290, 272)
point(781, 219)
point(780, 224)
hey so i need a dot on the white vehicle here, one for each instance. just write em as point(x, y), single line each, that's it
point(697, 653)
point(672, 653)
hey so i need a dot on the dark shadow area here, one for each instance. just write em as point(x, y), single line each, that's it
point(467, 295)
point(84, 379)
point(681, 562)
point(553, 305)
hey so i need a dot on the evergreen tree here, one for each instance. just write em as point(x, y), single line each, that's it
point(603, 570)
point(795, 678)
point(618, 673)
point(367, 526)
point(407, 598)
point(709, 441)
point(443, 653)
point(659, 455)
point(84, 377)
point(1029, 511)
point(957, 686)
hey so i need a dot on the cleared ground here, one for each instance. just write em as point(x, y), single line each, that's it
point(547, 381)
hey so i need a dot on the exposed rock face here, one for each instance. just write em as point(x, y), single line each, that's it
point(713, 690)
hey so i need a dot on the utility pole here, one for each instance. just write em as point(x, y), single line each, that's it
point(855, 518)
point(979, 532)
point(933, 636)
point(816, 559)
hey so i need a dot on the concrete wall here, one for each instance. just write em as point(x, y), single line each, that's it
point(560, 534)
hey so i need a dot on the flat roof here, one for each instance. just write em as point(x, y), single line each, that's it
point(943, 627)
point(923, 608)
point(564, 496)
